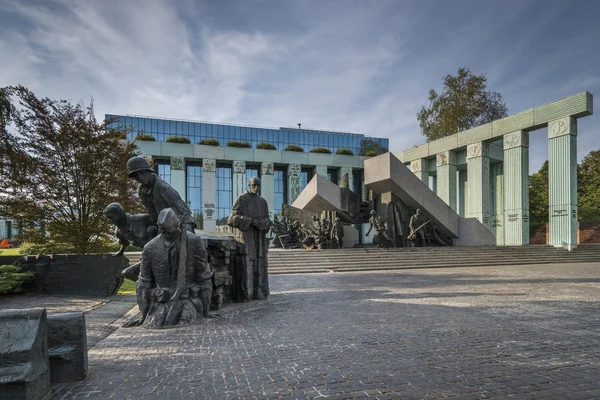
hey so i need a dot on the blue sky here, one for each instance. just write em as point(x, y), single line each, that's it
point(354, 66)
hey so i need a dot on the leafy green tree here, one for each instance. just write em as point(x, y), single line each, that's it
point(61, 168)
point(370, 145)
point(538, 199)
point(589, 187)
point(464, 103)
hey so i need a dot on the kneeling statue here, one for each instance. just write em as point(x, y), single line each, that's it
point(174, 287)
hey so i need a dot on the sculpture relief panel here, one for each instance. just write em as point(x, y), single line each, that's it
point(516, 139)
point(416, 165)
point(478, 149)
point(445, 158)
point(209, 165)
point(177, 163)
point(294, 170)
point(266, 168)
point(562, 126)
point(239, 167)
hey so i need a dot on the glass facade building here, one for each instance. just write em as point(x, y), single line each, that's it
point(308, 139)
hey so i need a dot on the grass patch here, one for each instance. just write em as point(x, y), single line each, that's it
point(128, 287)
point(10, 252)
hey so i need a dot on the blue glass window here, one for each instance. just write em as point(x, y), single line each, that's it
point(194, 190)
point(224, 194)
point(163, 169)
point(280, 189)
point(251, 171)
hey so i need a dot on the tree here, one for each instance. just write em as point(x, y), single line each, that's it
point(61, 168)
point(463, 104)
point(589, 187)
point(538, 199)
point(367, 145)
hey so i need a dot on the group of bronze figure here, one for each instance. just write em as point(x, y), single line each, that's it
point(175, 276)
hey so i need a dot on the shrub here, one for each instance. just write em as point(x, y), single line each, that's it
point(266, 146)
point(370, 153)
point(293, 147)
point(145, 137)
point(346, 152)
point(321, 150)
point(12, 279)
point(178, 139)
point(243, 145)
point(210, 142)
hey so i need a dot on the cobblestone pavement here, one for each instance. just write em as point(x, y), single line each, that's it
point(464, 333)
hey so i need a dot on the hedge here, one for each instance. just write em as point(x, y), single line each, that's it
point(243, 145)
point(145, 137)
point(346, 152)
point(321, 150)
point(210, 142)
point(266, 146)
point(293, 147)
point(12, 279)
point(178, 139)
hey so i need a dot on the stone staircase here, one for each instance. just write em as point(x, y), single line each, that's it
point(373, 259)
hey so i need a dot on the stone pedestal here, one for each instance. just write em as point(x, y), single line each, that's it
point(67, 347)
point(562, 174)
point(24, 363)
point(516, 188)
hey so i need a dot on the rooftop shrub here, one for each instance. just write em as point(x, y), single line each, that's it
point(266, 146)
point(322, 150)
point(210, 142)
point(242, 145)
point(145, 137)
point(370, 153)
point(346, 152)
point(293, 147)
point(178, 139)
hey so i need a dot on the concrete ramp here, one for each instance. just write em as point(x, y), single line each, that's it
point(319, 195)
point(385, 173)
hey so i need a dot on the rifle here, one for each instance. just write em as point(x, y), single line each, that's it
point(412, 234)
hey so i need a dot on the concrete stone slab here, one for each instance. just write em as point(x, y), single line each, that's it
point(67, 347)
point(177, 149)
point(319, 195)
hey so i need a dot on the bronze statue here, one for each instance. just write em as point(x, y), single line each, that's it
point(417, 232)
point(250, 217)
point(382, 237)
point(136, 229)
point(156, 194)
point(337, 233)
point(175, 286)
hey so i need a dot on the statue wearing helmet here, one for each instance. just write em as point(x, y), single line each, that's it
point(382, 237)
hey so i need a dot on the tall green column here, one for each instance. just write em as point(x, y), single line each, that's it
point(446, 177)
point(420, 168)
point(562, 174)
point(462, 192)
point(478, 170)
point(516, 188)
point(497, 202)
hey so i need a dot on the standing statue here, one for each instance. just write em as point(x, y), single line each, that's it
point(417, 233)
point(382, 237)
point(136, 229)
point(250, 217)
point(337, 233)
point(175, 286)
point(156, 194)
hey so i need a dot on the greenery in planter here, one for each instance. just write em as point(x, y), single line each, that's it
point(178, 139)
point(266, 146)
point(243, 145)
point(346, 152)
point(293, 147)
point(145, 137)
point(321, 150)
point(210, 142)
point(370, 153)
point(12, 279)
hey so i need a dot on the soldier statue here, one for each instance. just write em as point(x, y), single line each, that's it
point(382, 237)
point(417, 232)
point(156, 194)
point(136, 229)
point(337, 233)
point(250, 218)
point(175, 286)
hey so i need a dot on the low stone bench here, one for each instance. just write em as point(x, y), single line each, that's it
point(67, 347)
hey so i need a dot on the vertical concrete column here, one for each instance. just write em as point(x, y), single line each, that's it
point(320, 170)
point(478, 171)
point(497, 202)
point(516, 188)
point(293, 187)
point(209, 193)
point(342, 172)
point(420, 168)
point(462, 192)
point(267, 188)
point(239, 178)
point(178, 176)
point(446, 177)
point(562, 174)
